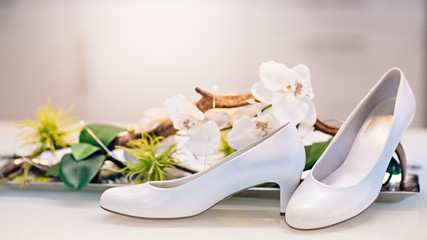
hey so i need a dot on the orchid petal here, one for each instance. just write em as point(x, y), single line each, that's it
point(179, 107)
point(148, 124)
point(303, 73)
point(272, 121)
point(261, 93)
point(287, 109)
point(182, 112)
point(152, 118)
point(167, 142)
point(306, 133)
point(308, 92)
point(220, 118)
point(311, 116)
point(242, 133)
point(276, 76)
point(238, 112)
point(187, 158)
point(258, 108)
point(206, 141)
point(195, 113)
point(173, 108)
point(193, 130)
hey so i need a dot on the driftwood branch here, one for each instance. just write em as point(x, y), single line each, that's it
point(323, 127)
point(224, 101)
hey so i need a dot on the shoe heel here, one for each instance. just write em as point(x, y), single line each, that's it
point(287, 188)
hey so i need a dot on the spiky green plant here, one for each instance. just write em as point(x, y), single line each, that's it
point(49, 131)
point(151, 164)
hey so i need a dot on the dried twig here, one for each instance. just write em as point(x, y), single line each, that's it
point(323, 127)
point(224, 101)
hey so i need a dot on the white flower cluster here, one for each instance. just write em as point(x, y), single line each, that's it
point(283, 96)
point(288, 92)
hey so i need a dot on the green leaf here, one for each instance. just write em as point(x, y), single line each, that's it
point(397, 169)
point(313, 153)
point(83, 150)
point(77, 174)
point(105, 133)
point(53, 171)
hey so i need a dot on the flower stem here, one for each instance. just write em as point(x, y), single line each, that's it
point(266, 107)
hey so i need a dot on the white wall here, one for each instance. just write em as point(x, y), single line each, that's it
point(115, 58)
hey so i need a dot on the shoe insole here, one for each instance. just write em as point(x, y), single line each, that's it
point(367, 147)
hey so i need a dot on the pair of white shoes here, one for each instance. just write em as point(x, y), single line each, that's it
point(344, 182)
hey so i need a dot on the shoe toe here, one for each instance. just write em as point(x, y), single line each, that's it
point(301, 213)
point(112, 200)
point(314, 205)
point(122, 199)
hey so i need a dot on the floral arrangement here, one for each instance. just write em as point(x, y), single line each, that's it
point(168, 140)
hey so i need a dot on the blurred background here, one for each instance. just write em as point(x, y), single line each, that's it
point(112, 59)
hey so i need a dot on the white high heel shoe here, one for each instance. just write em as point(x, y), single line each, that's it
point(348, 176)
point(278, 158)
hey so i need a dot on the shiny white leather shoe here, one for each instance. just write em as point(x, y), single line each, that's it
point(348, 176)
point(277, 158)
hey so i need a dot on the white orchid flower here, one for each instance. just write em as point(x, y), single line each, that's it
point(288, 90)
point(203, 132)
point(248, 130)
point(152, 118)
point(184, 114)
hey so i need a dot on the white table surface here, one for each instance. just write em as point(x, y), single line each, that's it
point(26, 214)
